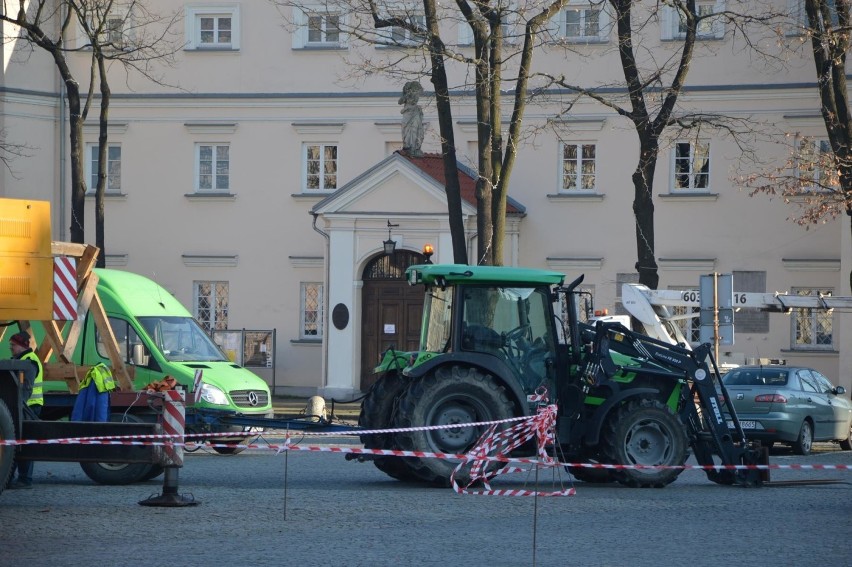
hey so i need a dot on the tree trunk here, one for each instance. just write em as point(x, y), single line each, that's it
point(484, 193)
point(103, 163)
point(448, 144)
point(643, 210)
point(78, 182)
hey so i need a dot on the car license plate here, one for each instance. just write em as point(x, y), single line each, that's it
point(744, 423)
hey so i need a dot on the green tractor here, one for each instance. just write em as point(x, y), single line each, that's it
point(492, 337)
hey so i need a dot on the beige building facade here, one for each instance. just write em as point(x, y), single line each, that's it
point(257, 181)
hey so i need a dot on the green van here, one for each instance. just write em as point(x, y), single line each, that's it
point(158, 337)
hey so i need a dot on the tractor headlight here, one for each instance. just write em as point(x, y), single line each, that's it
point(213, 395)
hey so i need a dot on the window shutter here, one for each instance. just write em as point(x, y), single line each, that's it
point(667, 15)
point(719, 22)
point(344, 37)
point(605, 23)
point(554, 26)
point(300, 33)
point(798, 17)
point(465, 33)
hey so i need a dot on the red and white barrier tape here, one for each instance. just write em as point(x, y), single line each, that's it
point(288, 446)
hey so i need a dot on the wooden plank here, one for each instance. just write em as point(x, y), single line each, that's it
point(69, 373)
point(52, 340)
point(119, 369)
point(73, 374)
point(85, 264)
point(67, 249)
point(87, 292)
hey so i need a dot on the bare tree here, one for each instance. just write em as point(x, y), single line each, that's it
point(10, 150)
point(127, 33)
point(421, 32)
point(54, 25)
point(818, 176)
point(45, 24)
point(654, 79)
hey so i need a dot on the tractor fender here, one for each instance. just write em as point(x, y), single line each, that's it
point(593, 429)
point(490, 364)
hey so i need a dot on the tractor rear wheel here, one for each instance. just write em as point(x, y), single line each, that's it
point(645, 432)
point(592, 475)
point(377, 413)
point(448, 395)
point(7, 452)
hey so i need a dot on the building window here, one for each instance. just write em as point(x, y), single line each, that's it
point(691, 166)
point(578, 167)
point(798, 22)
point(213, 168)
point(584, 22)
point(402, 36)
point(113, 168)
point(812, 327)
point(815, 165)
point(213, 27)
point(512, 28)
point(689, 326)
point(211, 305)
point(674, 22)
point(318, 28)
point(320, 167)
point(324, 29)
point(311, 312)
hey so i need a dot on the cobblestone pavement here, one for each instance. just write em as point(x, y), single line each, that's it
point(316, 509)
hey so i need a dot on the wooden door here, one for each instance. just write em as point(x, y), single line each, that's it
point(391, 311)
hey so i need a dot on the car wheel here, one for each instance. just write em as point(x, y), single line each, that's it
point(846, 444)
point(803, 445)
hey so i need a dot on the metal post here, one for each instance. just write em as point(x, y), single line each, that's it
point(174, 421)
point(716, 315)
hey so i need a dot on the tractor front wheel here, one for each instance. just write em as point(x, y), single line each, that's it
point(645, 433)
point(448, 396)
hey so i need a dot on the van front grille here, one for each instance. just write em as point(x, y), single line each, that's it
point(250, 398)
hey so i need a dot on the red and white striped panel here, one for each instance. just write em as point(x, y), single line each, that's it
point(174, 422)
point(64, 289)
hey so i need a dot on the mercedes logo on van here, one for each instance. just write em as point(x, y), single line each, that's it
point(253, 399)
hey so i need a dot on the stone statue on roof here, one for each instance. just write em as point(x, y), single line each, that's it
point(412, 118)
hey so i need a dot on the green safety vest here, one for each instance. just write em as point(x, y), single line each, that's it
point(102, 377)
point(37, 397)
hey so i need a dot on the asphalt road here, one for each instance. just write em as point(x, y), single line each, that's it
point(316, 509)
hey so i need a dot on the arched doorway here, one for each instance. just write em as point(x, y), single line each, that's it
point(391, 310)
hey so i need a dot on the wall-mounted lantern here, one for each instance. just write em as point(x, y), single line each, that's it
point(390, 243)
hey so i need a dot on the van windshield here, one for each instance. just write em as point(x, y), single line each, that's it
point(181, 339)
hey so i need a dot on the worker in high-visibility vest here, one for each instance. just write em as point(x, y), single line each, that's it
point(33, 394)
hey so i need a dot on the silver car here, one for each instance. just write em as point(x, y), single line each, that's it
point(790, 404)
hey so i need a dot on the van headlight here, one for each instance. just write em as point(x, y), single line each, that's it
point(213, 395)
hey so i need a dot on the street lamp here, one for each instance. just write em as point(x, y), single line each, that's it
point(390, 244)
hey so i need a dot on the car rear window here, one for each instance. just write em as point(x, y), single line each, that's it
point(756, 377)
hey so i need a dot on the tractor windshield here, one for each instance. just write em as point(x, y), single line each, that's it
point(513, 323)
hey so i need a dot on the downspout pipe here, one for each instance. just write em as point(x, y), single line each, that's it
point(327, 269)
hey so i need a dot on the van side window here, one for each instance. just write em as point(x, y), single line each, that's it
point(125, 336)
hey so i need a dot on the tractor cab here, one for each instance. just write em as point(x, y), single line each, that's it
point(496, 319)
